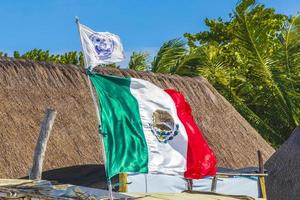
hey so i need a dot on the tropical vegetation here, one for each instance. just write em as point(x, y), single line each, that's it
point(253, 59)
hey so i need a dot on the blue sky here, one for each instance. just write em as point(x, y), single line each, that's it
point(143, 25)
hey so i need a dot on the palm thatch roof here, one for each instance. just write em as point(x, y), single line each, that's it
point(283, 168)
point(27, 88)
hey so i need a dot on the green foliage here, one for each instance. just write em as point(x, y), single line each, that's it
point(3, 54)
point(255, 32)
point(139, 61)
point(113, 65)
point(253, 60)
point(17, 54)
point(258, 70)
point(172, 58)
point(73, 57)
point(168, 56)
point(40, 55)
point(219, 33)
point(286, 69)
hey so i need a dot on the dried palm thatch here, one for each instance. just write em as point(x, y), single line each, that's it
point(27, 88)
point(283, 167)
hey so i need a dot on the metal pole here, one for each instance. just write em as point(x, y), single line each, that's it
point(97, 112)
point(214, 184)
point(146, 182)
point(190, 184)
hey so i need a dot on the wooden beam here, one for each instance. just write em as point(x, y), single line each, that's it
point(40, 148)
point(241, 174)
point(123, 182)
point(262, 183)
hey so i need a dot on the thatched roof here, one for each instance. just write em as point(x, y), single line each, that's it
point(27, 88)
point(283, 167)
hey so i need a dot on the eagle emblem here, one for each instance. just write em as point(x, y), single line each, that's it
point(163, 126)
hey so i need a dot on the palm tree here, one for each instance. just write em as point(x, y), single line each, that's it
point(256, 65)
point(168, 56)
point(272, 96)
point(139, 61)
point(230, 81)
point(286, 70)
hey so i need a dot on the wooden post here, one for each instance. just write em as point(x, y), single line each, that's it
point(40, 148)
point(262, 183)
point(123, 182)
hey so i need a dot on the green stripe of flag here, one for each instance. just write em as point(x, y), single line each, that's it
point(121, 126)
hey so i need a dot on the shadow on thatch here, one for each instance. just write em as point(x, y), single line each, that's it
point(27, 88)
point(283, 167)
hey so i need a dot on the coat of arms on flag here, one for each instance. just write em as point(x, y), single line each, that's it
point(100, 47)
point(163, 126)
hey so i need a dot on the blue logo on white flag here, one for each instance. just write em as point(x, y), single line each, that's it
point(104, 46)
point(100, 47)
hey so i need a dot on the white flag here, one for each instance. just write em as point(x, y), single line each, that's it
point(100, 47)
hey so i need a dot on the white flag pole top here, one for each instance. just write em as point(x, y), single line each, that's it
point(100, 47)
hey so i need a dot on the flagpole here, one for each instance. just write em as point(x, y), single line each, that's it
point(97, 111)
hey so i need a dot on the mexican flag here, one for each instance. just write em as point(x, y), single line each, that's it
point(149, 130)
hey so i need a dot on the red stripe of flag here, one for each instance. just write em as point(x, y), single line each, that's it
point(201, 161)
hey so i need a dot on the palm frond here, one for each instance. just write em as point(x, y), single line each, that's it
point(286, 69)
point(213, 66)
point(254, 39)
point(188, 64)
point(139, 61)
point(266, 131)
point(168, 56)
